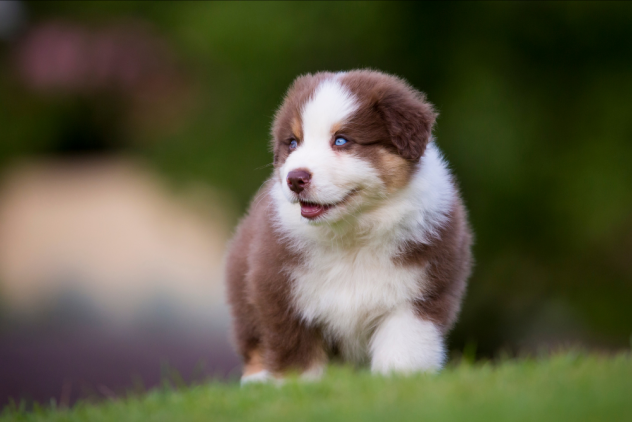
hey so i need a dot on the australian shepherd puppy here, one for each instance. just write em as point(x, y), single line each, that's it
point(358, 245)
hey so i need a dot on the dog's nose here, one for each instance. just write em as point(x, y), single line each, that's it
point(298, 180)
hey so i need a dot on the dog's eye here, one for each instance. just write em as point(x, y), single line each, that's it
point(340, 141)
point(293, 144)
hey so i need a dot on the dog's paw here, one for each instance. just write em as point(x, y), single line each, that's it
point(258, 377)
point(315, 373)
point(404, 344)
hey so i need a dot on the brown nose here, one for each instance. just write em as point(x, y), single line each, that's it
point(298, 180)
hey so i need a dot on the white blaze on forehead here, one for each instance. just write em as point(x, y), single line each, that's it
point(330, 104)
point(334, 174)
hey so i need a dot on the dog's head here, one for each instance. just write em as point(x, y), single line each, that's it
point(345, 141)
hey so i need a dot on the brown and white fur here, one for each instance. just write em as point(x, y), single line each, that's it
point(379, 275)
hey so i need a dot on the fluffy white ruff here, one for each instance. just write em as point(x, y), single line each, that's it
point(404, 343)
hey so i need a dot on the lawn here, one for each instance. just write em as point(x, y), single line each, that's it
point(569, 386)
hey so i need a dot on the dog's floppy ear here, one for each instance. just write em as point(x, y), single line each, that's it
point(409, 119)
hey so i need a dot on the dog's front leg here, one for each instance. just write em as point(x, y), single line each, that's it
point(405, 343)
point(300, 353)
point(293, 346)
point(288, 345)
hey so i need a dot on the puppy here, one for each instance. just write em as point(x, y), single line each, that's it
point(358, 245)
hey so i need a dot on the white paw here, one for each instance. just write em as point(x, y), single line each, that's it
point(404, 343)
point(257, 377)
point(315, 373)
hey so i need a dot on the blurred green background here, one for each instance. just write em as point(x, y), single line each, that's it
point(535, 103)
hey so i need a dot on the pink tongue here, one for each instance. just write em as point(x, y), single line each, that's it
point(311, 210)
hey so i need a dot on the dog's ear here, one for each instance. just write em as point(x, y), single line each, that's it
point(409, 119)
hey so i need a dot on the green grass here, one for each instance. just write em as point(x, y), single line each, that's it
point(569, 386)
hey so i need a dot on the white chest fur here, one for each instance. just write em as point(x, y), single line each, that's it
point(348, 293)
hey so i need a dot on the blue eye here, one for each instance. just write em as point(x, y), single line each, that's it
point(293, 144)
point(340, 141)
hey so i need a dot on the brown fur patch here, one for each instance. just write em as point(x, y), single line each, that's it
point(254, 364)
point(297, 128)
point(258, 288)
point(448, 263)
point(391, 112)
point(394, 170)
point(336, 127)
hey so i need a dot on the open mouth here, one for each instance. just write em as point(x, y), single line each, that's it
point(312, 210)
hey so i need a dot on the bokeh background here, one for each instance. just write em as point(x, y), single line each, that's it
point(133, 134)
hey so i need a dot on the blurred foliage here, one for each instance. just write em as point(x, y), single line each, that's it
point(535, 118)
